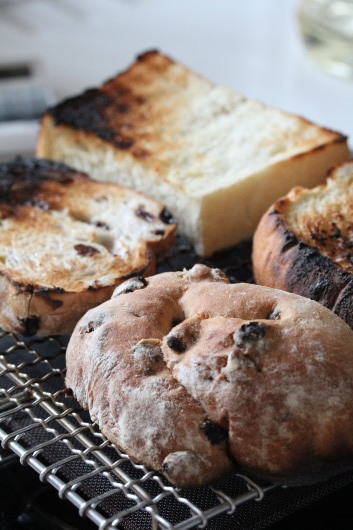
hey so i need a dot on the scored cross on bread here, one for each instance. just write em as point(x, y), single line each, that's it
point(66, 241)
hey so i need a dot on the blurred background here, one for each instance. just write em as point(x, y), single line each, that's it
point(50, 49)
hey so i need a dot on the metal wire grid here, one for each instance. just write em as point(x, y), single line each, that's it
point(48, 431)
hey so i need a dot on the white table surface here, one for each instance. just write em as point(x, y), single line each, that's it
point(253, 46)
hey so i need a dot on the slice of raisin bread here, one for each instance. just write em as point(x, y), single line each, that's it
point(67, 241)
point(304, 243)
point(215, 158)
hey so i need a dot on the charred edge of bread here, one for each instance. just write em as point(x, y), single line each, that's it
point(21, 180)
point(91, 111)
point(284, 261)
point(28, 307)
point(119, 98)
point(42, 303)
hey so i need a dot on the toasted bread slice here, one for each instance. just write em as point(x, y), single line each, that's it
point(67, 241)
point(215, 158)
point(304, 243)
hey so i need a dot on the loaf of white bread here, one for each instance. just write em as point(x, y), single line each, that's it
point(216, 159)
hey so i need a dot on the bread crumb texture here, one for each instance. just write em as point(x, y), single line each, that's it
point(304, 243)
point(323, 217)
point(70, 231)
point(62, 232)
point(205, 151)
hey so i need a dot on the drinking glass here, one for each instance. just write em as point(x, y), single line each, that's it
point(327, 30)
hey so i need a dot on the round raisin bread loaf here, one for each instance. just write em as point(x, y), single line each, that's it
point(194, 376)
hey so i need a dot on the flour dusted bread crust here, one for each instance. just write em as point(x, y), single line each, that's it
point(194, 376)
point(67, 241)
point(304, 243)
point(215, 158)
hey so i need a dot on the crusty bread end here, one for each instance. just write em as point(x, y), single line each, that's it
point(304, 243)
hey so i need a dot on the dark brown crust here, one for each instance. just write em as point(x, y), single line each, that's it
point(283, 261)
point(34, 309)
point(21, 181)
point(113, 111)
point(28, 188)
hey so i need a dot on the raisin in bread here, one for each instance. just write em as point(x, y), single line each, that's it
point(67, 241)
point(196, 377)
point(215, 158)
point(304, 243)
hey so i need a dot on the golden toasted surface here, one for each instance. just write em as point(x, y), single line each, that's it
point(134, 111)
point(216, 159)
point(60, 228)
point(191, 133)
point(323, 217)
point(66, 241)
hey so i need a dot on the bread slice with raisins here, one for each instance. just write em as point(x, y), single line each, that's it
point(66, 242)
point(304, 243)
point(216, 159)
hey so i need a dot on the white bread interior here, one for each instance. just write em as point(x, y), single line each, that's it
point(216, 159)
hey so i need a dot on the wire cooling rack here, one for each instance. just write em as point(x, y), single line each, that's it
point(46, 428)
point(41, 424)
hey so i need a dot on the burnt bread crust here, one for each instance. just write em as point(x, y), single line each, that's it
point(66, 241)
point(44, 312)
point(115, 111)
point(20, 178)
point(194, 377)
point(214, 157)
point(282, 261)
point(314, 259)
